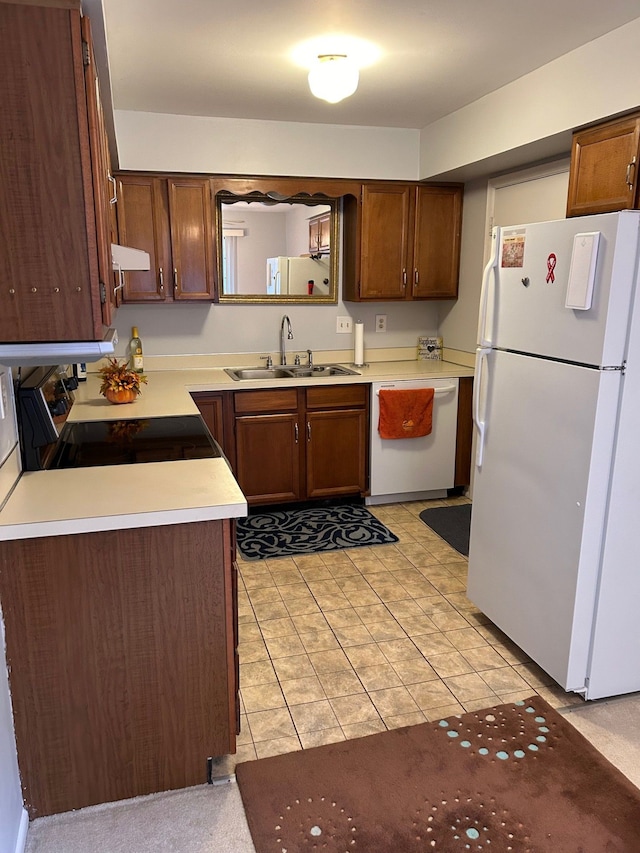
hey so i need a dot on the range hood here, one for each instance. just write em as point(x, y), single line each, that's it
point(123, 258)
point(65, 352)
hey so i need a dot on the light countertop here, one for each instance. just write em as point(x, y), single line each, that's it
point(168, 391)
point(82, 500)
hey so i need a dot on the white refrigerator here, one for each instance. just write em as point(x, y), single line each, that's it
point(291, 276)
point(554, 558)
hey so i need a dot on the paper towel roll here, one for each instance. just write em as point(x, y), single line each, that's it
point(358, 344)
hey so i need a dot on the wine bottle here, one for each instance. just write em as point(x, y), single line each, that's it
point(136, 361)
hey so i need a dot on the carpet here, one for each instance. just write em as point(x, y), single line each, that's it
point(516, 777)
point(452, 523)
point(308, 531)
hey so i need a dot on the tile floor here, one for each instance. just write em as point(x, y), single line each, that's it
point(348, 643)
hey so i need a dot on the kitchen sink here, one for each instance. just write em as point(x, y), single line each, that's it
point(294, 372)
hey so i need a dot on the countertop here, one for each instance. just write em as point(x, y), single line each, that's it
point(82, 500)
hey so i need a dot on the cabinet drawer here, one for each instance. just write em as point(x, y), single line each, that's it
point(272, 400)
point(337, 395)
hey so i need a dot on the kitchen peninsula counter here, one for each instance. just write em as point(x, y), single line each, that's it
point(50, 503)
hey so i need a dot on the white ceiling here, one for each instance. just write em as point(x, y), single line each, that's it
point(234, 58)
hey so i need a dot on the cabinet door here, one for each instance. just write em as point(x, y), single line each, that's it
point(49, 264)
point(143, 223)
point(385, 239)
point(191, 238)
point(268, 457)
point(210, 407)
point(436, 242)
point(320, 234)
point(336, 452)
point(604, 168)
point(101, 173)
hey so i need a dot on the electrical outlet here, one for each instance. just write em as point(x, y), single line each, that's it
point(381, 322)
point(344, 325)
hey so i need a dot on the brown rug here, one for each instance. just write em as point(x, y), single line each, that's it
point(516, 777)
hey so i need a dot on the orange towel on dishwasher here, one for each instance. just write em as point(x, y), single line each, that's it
point(405, 414)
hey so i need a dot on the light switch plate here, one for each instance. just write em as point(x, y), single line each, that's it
point(344, 325)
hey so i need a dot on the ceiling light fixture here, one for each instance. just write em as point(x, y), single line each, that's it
point(333, 77)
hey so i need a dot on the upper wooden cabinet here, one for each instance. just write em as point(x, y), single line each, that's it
point(402, 241)
point(170, 218)
point(54, 268)
point(604, 168)
point(320, 233)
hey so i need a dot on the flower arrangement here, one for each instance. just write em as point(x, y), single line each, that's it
point(120, 384)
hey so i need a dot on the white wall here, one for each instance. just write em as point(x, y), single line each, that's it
point(13, 819)
point(12, 815)
point(459, 320)
point(536, 113)
point(202, 329)
point(166, 143)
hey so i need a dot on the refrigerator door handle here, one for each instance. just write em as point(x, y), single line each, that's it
point(480, 424)
point(483, 340)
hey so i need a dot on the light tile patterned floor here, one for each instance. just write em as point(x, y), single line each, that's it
point(348, 643)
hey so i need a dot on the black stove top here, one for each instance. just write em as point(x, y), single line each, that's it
point(130, 441)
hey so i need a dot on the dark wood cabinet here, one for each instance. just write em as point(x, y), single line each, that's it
point(402, 242)
point(604, 167)
point(336, 436)
point(436, 242)
point(320, 233)
point(103, 182)
point(55, 270)
point(292, 444)
point(171, 219)
point(211, 407)
point(122, 655)
point(464, 432)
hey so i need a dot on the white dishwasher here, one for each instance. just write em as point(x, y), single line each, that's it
point(405, 469)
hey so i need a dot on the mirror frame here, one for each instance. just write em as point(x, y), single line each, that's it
point(300, 190)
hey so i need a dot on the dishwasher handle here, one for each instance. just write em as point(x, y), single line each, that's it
point(446, 389)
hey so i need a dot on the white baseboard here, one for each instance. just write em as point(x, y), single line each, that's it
point(21, 841)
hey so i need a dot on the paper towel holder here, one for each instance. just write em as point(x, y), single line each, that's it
point(358, 345)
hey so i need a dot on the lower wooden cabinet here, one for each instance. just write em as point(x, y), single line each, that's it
point(298, 443)
point(122, 657)
point(210, 406)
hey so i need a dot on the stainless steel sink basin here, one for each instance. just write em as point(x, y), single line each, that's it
point(258, 373)
point(293, 372)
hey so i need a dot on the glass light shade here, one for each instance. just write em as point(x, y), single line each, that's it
point(333, 78)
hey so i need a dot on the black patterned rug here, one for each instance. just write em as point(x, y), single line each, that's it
point(307, 531)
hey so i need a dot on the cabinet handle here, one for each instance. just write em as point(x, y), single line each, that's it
point(114, 197)
point(175, 281)
point(631, 165)
point(404, 278)
point(295, 430)
point(161, 279)
point(308, 430)
point(416, 277)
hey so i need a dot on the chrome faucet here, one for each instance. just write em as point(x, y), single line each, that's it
point(283, 356)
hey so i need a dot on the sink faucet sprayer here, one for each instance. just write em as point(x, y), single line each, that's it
point(285, 319)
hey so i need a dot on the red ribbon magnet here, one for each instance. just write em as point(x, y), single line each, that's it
point(551, 265)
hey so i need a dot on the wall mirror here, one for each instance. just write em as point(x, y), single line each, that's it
point(273, 248)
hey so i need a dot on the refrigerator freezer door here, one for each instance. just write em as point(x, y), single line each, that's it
point(525, 304)
point(539, 505)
